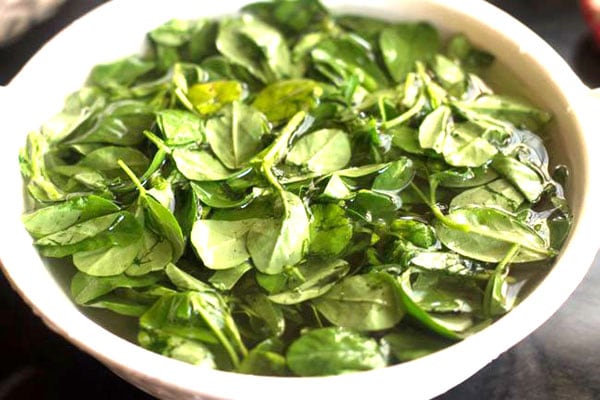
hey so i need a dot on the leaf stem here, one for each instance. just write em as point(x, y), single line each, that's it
point(438, 213)
point(132, 176)
point(468, 228)
point(235, 359)
point(493, 305)
point(268, 173)
point(501, 268)
point(408, 114)
point(381, 106)
point(157, 141)
point(277, 151)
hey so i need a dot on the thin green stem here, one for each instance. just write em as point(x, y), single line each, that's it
point(268, 173)
point(438, 213)
point(157, 141)
point(294, 271)
point(498, 305)
point(133, 177)
point(408, 114)
point(381, 106)
point(217, 331)
point(278, 148)
point(501, 268)
point(470, 228)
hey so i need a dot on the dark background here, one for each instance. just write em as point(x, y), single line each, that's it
point(561, 360)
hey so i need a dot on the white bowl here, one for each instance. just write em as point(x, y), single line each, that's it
point(61, 67)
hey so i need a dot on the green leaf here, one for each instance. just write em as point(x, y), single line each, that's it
point(527, 180)
point(34, 169)
point(79, 179)
point(275, 243)
point(499, 193)
point(58, 217)
point(498, 299)
point(190, 351)
point(330, 351)
point(409, 343)
point(407, 139)
point(367, 302)
point(363, 170)
point(450, 75)
point(85, 288)
point(221, 68)
point(156, 217)
point(208, 98)
point(120, 73)
point(372, 206)
point(436, 292)
point(184, 281)
point(447, 262)
point(404, 44)
point(222, 244)
point(462, 178)
point(235, 134)
point(451, 329)
point(173, 33)
point(435, 128)
point(366, 27)
point(323, 151)
point(343, 57)
point(265, 359)
point(107, 261)
point(180, 127)
point(225, 279)
point(460, 48)
point(418, 233)
point(162, 222)
point(337, 189)
point(179, 39)
point(104, 160)
point(220, 195)
point(487, 234)
point(318, 277)
point(498, 107)
point(278, 149)
point(199, 165)
point(121, 123)
point(464, 147)
point(288, 16)
point(128, 302)
point(79, 110)
point(266, 318)
point(200, 316)
point(116, 229)
point(183, 76)
point(395, 177)
point(281, 100)
point(259, 208)
point(256, 46)
point(154, 254)
point(330, 230)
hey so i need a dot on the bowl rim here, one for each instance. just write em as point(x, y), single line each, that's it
point(146, 368)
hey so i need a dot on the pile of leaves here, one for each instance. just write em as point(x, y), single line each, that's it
point(292, 192)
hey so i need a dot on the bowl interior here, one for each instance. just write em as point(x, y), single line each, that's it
point(526, 65)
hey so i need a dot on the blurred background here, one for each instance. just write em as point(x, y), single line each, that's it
point(561, 360)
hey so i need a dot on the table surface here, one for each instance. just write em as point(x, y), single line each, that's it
point(561, 360)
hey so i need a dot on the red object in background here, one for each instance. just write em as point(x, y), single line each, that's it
point(591, 13)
